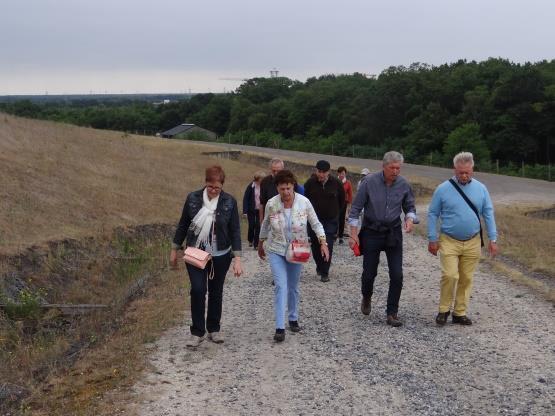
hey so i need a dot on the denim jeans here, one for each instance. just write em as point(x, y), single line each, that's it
point(286, 292)
point(372, 245)
point(330, 228)
point(200, 284)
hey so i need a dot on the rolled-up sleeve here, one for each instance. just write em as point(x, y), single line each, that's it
point(409, 207)
point(358, 205)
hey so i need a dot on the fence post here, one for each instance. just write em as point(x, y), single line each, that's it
point(497, 165)
point(353, 150)
point(523, 168)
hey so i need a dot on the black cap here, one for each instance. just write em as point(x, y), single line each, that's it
point(323, 165)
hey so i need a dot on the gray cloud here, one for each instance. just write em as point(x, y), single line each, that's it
point(44, 38)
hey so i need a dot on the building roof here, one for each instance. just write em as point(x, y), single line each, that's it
point(177, 130)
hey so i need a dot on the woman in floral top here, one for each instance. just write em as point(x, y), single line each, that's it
point(285, 220)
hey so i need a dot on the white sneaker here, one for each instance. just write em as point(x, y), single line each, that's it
point(194, 341)
point(216, 337)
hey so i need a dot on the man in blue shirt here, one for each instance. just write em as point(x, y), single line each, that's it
point(383, 196)
point(459, 243)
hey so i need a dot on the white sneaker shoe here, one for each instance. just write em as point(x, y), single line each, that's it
point(216, 337)
point(194, 341)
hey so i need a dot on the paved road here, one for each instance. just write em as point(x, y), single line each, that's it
point(504, 189)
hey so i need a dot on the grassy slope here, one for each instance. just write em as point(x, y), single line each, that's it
point(59, 181)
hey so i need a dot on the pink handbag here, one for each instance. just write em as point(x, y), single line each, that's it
point(196, 257)
point(298, 252)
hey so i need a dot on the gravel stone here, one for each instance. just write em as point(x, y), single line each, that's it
point(345, 363)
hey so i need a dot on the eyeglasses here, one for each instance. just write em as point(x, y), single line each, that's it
point(214, 188)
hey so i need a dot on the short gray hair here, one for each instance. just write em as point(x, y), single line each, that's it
point(463, 158)
point(392, 157)
point(276, 161)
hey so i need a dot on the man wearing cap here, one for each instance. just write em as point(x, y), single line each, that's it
point(327, 196)
point(383, 196)
point(364, 172)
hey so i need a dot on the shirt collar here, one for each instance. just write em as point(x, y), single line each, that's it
point(461, 184)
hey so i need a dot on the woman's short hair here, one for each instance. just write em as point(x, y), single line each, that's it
point(215, 173)
point(341, 169)
point(285, 176)
point(259, 175)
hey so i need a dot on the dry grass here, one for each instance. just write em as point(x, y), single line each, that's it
point(524, 239)
point(99, 382)
point(59, 181)
point(530, 241)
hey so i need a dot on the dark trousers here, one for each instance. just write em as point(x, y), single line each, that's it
point(200, 284)
point(342, 214)
point(330, 228)
point(254, 227)
point(372, 245)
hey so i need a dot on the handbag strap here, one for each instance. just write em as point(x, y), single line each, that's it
point(471, 205)
point(211, 274)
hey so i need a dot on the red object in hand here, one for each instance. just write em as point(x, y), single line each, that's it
point(356, 250)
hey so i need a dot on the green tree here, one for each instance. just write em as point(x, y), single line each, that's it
point(467, 138)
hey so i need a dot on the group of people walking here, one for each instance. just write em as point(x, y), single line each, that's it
point(284, 217)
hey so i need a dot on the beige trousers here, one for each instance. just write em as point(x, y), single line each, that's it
point(458, 261)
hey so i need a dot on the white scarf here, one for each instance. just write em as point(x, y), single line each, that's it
point(202, 223)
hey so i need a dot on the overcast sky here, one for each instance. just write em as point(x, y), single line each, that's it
point(129, 46)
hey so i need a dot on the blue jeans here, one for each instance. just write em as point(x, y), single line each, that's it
point(372, 245)
point(286, 292)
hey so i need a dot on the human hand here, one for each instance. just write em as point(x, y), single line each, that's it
point(433, 247)
point(237, 267)
point(493, 249)
point(325, 251)
point(173, 259)
point(409, 225)
point(261, 252)
point(353, 240)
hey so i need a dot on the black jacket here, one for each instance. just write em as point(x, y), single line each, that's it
point(328, 199)
point(249, 204)
point(227, 228)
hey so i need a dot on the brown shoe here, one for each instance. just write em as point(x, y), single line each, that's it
point(462, 320)
point(365, 305)
point(393, 320)
point(441, 318)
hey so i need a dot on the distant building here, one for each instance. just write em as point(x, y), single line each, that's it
point(163, 102)
point(186, 130)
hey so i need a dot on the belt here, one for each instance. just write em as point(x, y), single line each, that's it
point(468, 239)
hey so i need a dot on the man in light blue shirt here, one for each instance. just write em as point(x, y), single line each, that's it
point(459, 242)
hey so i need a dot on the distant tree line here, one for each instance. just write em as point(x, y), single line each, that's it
point(501, 111)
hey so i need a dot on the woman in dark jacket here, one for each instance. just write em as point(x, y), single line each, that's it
point(251, 206)
point(210, 221)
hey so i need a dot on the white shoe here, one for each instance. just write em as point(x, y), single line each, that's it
point(216, 337)
point(194, 341)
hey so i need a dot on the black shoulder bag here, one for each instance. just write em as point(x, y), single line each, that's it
point(471, 205)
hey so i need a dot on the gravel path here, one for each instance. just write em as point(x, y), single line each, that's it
point(344, 363)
